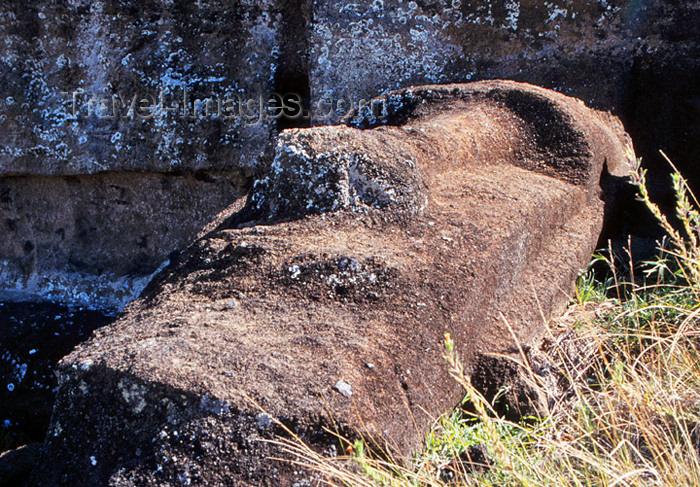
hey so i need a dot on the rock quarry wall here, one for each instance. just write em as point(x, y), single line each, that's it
point(101, 176)
point(127, 126)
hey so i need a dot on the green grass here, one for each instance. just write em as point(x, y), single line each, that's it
point(625, 412)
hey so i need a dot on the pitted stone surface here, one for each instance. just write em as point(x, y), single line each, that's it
point(224, 60)
point(91, 86)
point(314, 279)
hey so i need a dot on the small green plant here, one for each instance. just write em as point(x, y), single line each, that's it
point(589, 288)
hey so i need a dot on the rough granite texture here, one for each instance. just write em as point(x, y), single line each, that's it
point(324, 301)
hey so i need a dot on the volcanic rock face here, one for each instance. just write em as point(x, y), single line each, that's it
point(101, 86)
point(151, 99)
point(547, 43)
point(328, 294)
point(165, 89)
point(583, 48)
point(96, 239)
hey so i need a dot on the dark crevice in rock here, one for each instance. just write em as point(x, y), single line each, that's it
point(627, 223)
point(292, 72)
point(503, 382)
point(16, 465)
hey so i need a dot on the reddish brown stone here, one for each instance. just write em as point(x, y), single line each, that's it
point(470, 204)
